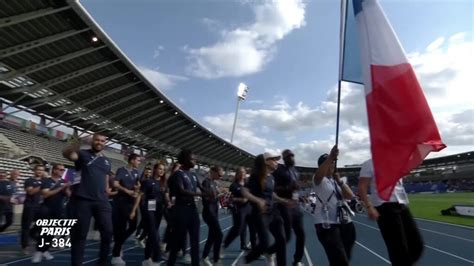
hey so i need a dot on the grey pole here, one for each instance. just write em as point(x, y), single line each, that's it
point(235, 119)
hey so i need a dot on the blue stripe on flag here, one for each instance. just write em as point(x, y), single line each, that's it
point(351, 66)
point(357, 6)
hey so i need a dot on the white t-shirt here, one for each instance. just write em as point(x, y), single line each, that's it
point(324, 190)
point(398, 195)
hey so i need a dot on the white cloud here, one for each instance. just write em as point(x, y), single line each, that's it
point(255, 102)
point(353, 146)
point(246, 50)
point(211, 24)
point(435, 45)
point(457, 129)
point(157, 51)
point(161, 80)
point(244, 136)
point(444, 74)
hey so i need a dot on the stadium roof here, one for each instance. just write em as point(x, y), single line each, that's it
point(57, 62)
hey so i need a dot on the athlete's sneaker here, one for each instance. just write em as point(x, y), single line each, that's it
point(37, 257)
point(221, 254)
point(146, 262)
point(94, 235)
point(117, 261)
point(163, 247)
point(187, 258)
point(25, 251)
point(164, 256)
point(141, 243)
point(270, 260)
point(47, 255)
point(206, 262)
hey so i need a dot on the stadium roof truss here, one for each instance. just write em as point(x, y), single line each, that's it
point(55, 60)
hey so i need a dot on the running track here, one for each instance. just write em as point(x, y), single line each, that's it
point(445, 244)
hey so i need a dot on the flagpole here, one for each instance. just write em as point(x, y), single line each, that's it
point(341, 60)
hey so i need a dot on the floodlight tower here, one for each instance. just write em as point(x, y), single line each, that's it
point(241, 94)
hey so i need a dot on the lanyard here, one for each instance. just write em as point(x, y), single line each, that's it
point(190, 181)
point(292, 174)
point(338, 194)
point(95, 158)
point(329, 198)
point(130, 173)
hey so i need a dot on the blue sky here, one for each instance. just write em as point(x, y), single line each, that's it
point(198, 51)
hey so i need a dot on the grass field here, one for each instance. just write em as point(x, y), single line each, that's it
point(429, 206)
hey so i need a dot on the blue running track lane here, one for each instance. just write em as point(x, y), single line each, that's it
point(445, 245)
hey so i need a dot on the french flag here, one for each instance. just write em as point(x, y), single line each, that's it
point(402, 129)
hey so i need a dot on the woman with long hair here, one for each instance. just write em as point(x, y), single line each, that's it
point(240, 213)
point(259, 191)
point(140, 234)
point(154, 190)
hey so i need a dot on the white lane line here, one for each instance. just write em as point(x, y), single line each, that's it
point(237, 259)
point(443, 234)
point(134, 247)
point(430, 247)
point(373, 252)
point(310, 263)
point(366, 225)
point(130, 248)
point(366, 248)
point(240, 255)
point(9, 232)
point(206, 238)
point(438, 222)
point(54, 252)
point(435, 232)
point(450, 254)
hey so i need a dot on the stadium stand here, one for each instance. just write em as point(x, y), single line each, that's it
point(24, 168)
point(66, 69)
point(4, 148)
point(49, 149)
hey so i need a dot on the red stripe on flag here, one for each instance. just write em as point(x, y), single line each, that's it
point(402, 128)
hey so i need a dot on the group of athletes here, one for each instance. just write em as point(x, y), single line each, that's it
point(266, 201)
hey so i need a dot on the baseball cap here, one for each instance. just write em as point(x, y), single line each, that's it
point(270, 155)
point(287, 152)
point(322, 159)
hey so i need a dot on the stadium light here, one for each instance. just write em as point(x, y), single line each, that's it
point(242, 91)
point(95, 39)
